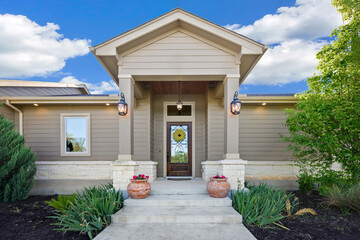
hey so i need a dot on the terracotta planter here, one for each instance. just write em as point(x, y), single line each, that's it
point(218, 188)
point(139, 189)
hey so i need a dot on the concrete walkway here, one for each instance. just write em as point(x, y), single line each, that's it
point(177, 210)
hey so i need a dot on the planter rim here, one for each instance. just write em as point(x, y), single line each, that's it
point(218, 179)
point(139, 180)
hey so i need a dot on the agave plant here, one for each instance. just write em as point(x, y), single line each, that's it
point(91, 211)
point(264, 204)
point(62, 202)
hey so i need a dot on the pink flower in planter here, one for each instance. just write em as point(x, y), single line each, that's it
point(134, 177)
point(217, 176)
point(142, 175)
point(223, 176)
point(147, 177)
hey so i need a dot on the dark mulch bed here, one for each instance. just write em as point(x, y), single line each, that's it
point(28, 219)
point(329, 223)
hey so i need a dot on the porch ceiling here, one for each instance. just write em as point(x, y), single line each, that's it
point(188, 87)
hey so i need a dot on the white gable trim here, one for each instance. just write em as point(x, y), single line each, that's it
point(109, 47)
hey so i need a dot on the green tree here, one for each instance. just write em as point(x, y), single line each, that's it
point(17, 164)
point(325, 126)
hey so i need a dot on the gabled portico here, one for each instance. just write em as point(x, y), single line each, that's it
point(179, 55)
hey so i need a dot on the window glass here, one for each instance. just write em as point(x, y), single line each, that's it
point(173, 111)
point(76, 134)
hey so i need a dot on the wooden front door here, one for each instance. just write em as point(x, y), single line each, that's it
point(179, 154)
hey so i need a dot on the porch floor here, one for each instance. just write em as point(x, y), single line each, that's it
point(177, 209)
point(161, 186)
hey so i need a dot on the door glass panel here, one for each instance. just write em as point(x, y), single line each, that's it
point(179, 143)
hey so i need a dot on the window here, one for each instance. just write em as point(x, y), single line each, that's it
point(173, 111)
point(75, 134)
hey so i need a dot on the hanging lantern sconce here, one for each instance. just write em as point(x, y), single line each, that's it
point(235, 105)
point(122, 105)
point(179, 103)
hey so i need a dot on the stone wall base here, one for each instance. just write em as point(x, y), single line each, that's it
point(74, 170)
point(117, 172)
point(234, 170)
point(270, 170)
point(123, 171)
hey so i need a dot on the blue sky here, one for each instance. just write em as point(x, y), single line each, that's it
point(48, 40)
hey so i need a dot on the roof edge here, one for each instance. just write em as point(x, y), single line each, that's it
point(169, 13)
point(25, 83)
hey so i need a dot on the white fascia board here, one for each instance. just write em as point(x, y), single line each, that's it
point(250, 46)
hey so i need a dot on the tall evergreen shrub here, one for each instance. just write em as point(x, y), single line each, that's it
point(17, 164)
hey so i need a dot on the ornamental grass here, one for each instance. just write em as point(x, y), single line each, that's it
point(90, 212)
point(264, 204)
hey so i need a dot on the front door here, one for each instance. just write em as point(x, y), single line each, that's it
point(179, 147)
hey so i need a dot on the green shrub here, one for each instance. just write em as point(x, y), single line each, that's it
point(306, 183)
point(345, 198)
point(329, 179)
point(62, 202)
point(263, 204)
point(91, 210)
point(17, 164)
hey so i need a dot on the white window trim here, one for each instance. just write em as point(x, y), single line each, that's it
point(167, 119)
point(62, 134)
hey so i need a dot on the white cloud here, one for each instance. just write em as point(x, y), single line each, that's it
point(28, 49)
point(295, 34)
point(308, 20)
point(100, 88)
point(291, 61)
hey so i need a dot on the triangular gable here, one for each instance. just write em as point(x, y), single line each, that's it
point(110, 52)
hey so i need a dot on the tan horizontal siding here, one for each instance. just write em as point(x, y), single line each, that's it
point(142, 129)
point(178, 53)
point(7, 112)
point(215, 136)
point(260, 128)
point(42, 131)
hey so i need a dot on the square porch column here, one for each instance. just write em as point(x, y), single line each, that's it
point(232, 166)
point(231, 125)
point(124, 167)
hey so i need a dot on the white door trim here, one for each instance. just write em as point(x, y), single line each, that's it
point(167, 119)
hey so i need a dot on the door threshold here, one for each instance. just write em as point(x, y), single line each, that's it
point(179, 178)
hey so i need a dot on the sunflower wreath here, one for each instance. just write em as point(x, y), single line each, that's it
point(179, 135)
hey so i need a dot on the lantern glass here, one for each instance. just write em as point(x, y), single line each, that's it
point(122, 106)
point(179, 105)
point(235, 105)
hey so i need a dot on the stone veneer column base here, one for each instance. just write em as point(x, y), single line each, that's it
point(234, 170)
point(123, 171)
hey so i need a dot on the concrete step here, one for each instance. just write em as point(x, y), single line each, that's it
point(179, 200)
point(184, 191)
point(199, 215)
point(186, 187)
point(175, 231)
